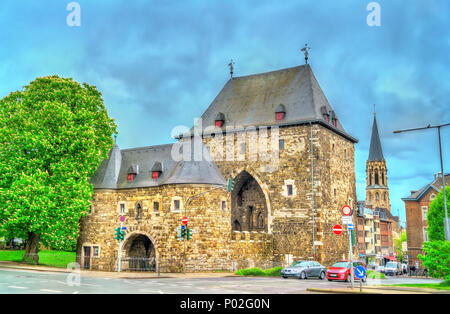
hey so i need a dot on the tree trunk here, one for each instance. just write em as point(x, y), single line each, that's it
point(32, 249)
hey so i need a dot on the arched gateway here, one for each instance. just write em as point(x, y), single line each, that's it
point(248, 204)
point(140, 254)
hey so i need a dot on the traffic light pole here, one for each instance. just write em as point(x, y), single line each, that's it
point(351, 255)
point(119, 259)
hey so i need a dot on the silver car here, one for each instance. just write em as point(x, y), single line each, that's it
point(304, 269)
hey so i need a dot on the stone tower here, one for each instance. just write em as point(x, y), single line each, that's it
point(377, 190)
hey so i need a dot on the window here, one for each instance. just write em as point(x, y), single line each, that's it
point(130, 177)
point(176, 205)
point(219, 124)
point(424, 212)
point(122, 209)
point(224, 205)
point(345, 153)
point(243, 148)
point(156, 206)
point(432, 197)
point(280, 112)
point(155, 175)
point(219, 120)
point(279, 116)
point(96, 251)
point(260, 221)
point(289, 190)
point(377, 196)
point(281, 144)
point(425, 234)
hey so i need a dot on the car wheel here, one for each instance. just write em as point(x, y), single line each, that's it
point(347, 279)
point(284, 277)
point(329, 279)
point(302, 275)
point(322, 276)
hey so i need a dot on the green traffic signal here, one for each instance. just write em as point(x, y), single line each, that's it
point(189, 234)
point(230, 185)
point(119, 234)
point(183, 233)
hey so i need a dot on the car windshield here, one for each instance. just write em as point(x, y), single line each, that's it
point(341, 264)
point(391, 264)
point(300, 264)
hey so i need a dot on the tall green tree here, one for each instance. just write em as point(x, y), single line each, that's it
point(54, 133)
point(436, 214)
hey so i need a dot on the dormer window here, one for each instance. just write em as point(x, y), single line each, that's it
point(156, 170)
point(219, 120)
point(325, 113)
point(280, 112)
point(132, 172)
point(334, 118)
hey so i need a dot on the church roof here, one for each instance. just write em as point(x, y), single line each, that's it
point(253, 100)
point(375, 151)
point(113, 172)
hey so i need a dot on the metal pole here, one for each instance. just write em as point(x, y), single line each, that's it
point(119, 260)
point(447, 232)
point(351, 255)
point(312, 196)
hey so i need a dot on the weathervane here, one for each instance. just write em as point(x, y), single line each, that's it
point(305, 51)
point(374, 111)
point(231, 67)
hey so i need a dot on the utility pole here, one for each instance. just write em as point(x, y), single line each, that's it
point(438, 127)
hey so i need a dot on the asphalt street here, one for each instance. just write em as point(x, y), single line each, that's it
point(25, 282)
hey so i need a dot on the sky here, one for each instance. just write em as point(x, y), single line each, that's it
point(159, 64)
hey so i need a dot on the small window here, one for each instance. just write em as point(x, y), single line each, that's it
point(96, 251)
point(122, 209)
point(176, 204)
point(130, 177)
point(279, 116)
point(224, 205)
point(281, 144)
point(219, 124)
point(156, 206)
point(155, 175)
point(289, 190)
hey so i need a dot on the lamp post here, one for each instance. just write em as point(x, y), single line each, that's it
point(438, 127)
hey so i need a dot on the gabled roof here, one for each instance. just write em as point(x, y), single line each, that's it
point(435, 185)
point(253, 100)
point(113, 172)
point(375, 151)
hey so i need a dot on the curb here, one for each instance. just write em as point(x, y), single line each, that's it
point(410, 289)
point(340, 291)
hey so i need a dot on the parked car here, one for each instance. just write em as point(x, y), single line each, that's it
point(341, 271)
point(304, 270)
point(393, 268)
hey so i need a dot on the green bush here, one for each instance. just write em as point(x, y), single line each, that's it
point(375, 275)
point(437, 258)
point(255, 271)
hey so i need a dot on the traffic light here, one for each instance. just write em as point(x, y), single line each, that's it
point(179, 233)
point(189, 234)
point(230, 185)
point(119, 234)
point(183, 232)
point(353, 237)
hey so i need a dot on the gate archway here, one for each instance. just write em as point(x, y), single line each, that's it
point(249, 210)
point(140, 253)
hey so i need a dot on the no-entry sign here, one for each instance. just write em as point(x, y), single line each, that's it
point(184, 220)
point(346, 210)
point(337, 229)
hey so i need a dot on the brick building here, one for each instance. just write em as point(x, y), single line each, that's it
point(416, 208)
point(292, 162)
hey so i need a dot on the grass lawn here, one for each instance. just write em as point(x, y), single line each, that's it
point(445, 285)
point(375, 275)
point(46, 257)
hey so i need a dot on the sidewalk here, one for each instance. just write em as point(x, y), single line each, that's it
point(122, 275)
point(380, 290)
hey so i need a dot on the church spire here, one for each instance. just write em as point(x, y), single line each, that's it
point(375, 151)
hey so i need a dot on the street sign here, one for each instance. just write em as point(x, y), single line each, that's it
point(337, 229)
point(346, 210)
point(184, 220)
point(360, 272)
point(122, 218)
point(124, 228)
point(350, 227)
point(346, 220)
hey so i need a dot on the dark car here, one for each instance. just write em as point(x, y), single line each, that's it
point(304, 270)
point(341, 271)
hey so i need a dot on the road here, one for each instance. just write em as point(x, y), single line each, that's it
point(24, 282)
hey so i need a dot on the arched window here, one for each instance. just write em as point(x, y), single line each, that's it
point(250, 217)
point(382, 178)
point(377, 196)
point(260, 221)
point(376, 177)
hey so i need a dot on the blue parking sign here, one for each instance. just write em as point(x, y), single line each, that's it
point(360, 272)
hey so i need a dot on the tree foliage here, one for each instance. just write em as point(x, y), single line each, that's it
point(53, 135)
point(437, 258)
point(436, 214)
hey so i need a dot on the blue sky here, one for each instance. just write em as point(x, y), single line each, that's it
point(159, 64)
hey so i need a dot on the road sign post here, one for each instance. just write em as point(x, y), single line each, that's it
point(347, 219)
point(360, 273)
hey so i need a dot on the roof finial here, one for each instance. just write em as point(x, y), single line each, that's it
point(305, 51)
point(374, 111)
point(231, 67)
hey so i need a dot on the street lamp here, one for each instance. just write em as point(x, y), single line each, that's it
point(438, 127)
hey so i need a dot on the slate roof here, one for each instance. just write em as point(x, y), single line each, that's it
point(113, 172)
point(375, 151)
point(435, 184)
point(253, 100)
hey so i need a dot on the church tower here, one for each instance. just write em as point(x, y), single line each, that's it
point(377, 190)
